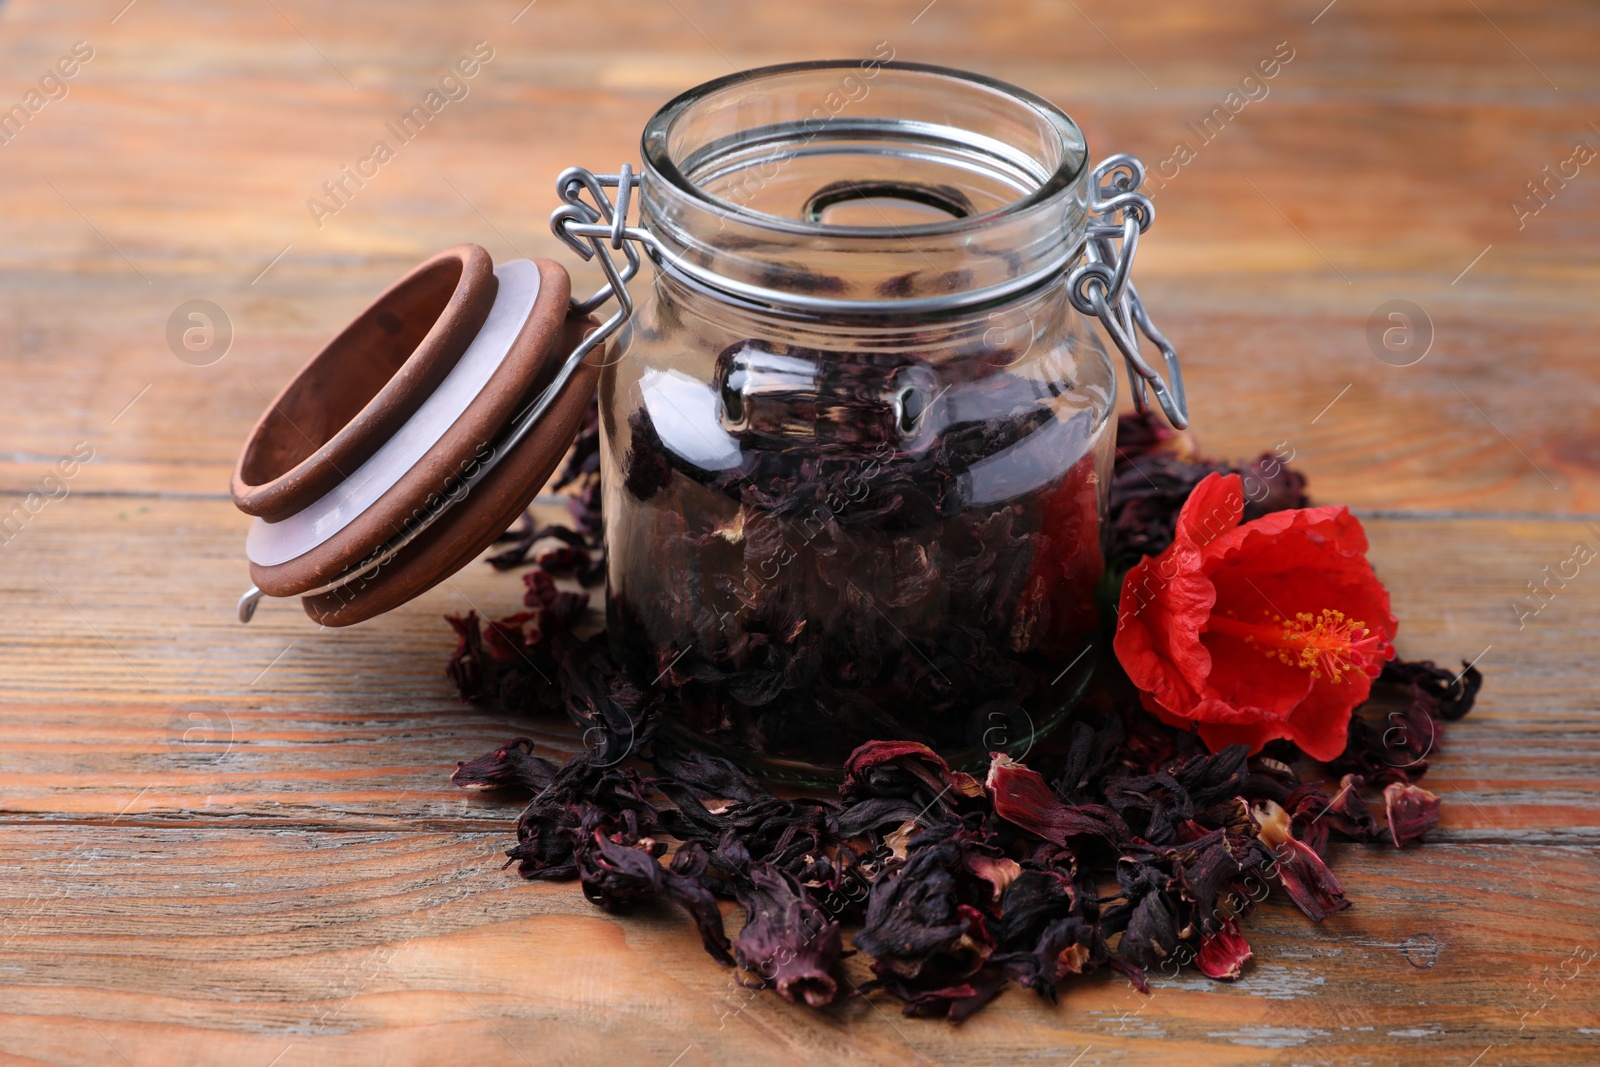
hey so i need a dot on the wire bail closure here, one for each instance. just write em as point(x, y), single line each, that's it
point(594, 230)
point(1098, 287)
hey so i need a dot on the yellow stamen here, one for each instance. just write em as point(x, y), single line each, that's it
point(1328, 644)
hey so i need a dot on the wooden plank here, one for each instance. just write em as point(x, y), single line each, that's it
point(155, 944)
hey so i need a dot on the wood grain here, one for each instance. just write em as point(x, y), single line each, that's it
point(411, 943)
point(237, 844)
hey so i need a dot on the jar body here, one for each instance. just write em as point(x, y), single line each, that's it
point(823, 533)
point(856, 442)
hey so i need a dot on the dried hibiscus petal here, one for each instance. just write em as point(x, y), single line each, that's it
point(686, 885)
point(468, 667)
point(617, 874)
point(1065, 946)
point(1451, 695)
point(564, 607)
point(1396, 747)
point(1139, 434)
point(564, 560)
point(898, 768)
point(1310, 884)
point(1222, 955)
point(955, 1002)
point(1022, 798)
point(525, 536)
point(1412, 811)
point(999, 871)
point(645, 467)
point(787, 938)
point(1156, 470)
point(1150, 916)
point(546, 836)
point(1035, 898)
point(920, 921)
point(1206, 867)
point(705, 774)
point(1347, 813)
point(511, 766)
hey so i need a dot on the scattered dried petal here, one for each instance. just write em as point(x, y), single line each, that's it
point(895, 768)
point(1310, 884)
point(1222, 955)
point(511, 766)
point(1412, 811)
point(1022, 797)
point(961, 886)
point(999, 873)
point(919, 921)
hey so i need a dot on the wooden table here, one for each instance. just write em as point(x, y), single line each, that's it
point(227, 844)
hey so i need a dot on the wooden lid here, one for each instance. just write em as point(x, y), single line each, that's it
point(445, 468)
point(350, 397)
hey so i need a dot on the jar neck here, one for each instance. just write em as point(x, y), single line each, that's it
point(864, 188)
point(711, 373)
point(1000, 332)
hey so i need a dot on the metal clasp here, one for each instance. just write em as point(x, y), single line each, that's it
point(596, 230)
point(1100, 285)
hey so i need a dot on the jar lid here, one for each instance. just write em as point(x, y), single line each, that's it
point(415, 437)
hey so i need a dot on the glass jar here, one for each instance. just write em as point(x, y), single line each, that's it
point(856, 440)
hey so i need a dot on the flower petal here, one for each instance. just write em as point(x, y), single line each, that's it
point(1321, 724)
point(1158, 640)
point(1243, 677)
point(1223, 954)
point(1167, 599)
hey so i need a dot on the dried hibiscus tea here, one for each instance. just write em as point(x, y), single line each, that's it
point(1309, 882)
point(959, 886)
point(788, 940)
point(1022, 797)
point(512, 766)
point(925, 926)
point(835, 574)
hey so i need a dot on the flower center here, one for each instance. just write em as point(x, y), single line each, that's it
point(1328, 644)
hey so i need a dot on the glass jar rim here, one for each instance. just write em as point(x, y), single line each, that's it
point(657, 154)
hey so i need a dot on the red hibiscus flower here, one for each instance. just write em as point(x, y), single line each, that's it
point(1273, 629)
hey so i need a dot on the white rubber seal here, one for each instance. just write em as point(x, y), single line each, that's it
point(271, 543)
